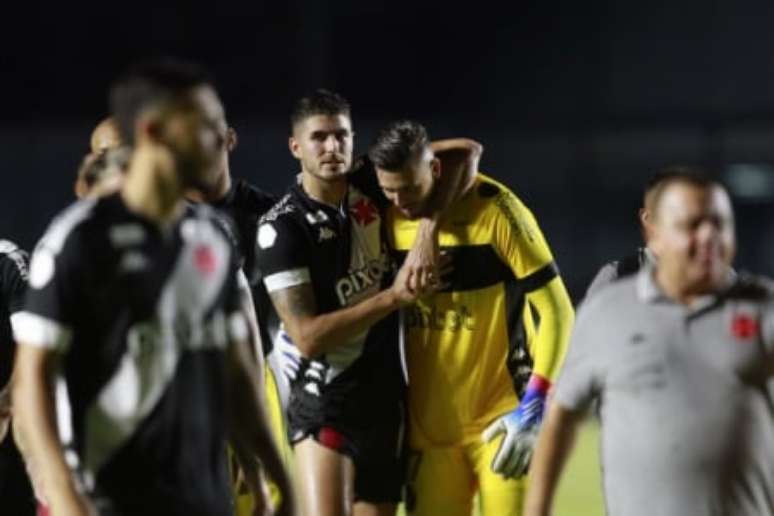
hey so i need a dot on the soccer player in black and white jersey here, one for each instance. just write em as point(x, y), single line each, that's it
point(133, 299)
point(16, 495)
point(243, 204)
point(325, 263)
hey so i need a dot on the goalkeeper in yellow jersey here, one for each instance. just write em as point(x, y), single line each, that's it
point(481, 353)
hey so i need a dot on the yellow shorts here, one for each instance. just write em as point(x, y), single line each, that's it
point(445, 481)
point(242, 497)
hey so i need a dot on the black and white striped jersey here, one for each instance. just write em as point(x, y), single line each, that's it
point(13, 284)
point(341, 252)
point(142, 316)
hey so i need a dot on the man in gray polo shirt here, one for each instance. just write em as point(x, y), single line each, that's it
point(681, 358)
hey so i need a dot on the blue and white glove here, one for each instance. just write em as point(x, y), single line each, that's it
point(520, 427)
point(288, 357)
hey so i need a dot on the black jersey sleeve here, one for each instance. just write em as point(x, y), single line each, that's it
point(282, 254)
point(363, 177)
point(13, 275)
point(52, 296)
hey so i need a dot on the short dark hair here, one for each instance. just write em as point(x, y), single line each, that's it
point(397, 144)
point(662, 180)
point(151, 82)
point(319, 102)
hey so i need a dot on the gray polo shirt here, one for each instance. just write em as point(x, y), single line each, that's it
point(686, 397)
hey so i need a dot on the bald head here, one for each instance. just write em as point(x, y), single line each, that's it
point(105, 136)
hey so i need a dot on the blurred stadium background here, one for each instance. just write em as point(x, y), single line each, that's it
point(576, 103)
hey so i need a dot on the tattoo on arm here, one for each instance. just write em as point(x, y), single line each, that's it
point(295, 301)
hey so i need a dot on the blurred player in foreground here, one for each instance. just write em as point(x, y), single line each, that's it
point(133, 299)
point(16, 496)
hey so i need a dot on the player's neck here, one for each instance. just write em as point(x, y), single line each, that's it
point(673, 285)
point(326, 191)
point(152, 188)
point(216, 194)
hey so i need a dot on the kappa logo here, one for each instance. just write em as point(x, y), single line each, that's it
point(326, 234)
point(316, 218)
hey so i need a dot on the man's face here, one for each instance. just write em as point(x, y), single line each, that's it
point(692, 233)
point(105, 136)
point(410, 189)
point(323, 145)
point(195, 131)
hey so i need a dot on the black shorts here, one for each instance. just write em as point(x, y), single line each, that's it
point(363, 419)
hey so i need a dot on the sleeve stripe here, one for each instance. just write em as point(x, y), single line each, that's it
point(287, 279)
point(35, 330)
point(540, 277)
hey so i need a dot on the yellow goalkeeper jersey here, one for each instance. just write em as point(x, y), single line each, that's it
point(469, 348)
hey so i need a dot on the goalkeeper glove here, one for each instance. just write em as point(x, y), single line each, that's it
point(520, 427)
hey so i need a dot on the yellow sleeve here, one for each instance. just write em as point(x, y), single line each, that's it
point(520, 244)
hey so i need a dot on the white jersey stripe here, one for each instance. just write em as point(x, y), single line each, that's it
point(287, 279)
point(34, 330)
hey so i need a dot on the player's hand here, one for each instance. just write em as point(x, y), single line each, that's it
point(520, 429)
point(406, 293)
point(423, 260)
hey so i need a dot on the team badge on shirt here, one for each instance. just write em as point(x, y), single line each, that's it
point(745, 327)
point(205, 260)
point(364, 212)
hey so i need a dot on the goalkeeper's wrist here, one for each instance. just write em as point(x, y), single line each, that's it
point(530, 409)
point(537, 387)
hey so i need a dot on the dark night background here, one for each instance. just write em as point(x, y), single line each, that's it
point(576, 103)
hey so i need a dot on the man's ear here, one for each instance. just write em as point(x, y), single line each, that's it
point(231, 139)
point(646, 222)
point(293, 146)
point(435, 167)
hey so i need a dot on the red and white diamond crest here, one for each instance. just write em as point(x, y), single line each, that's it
point(205, 260)
point(364, 212)
point(744, 327)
